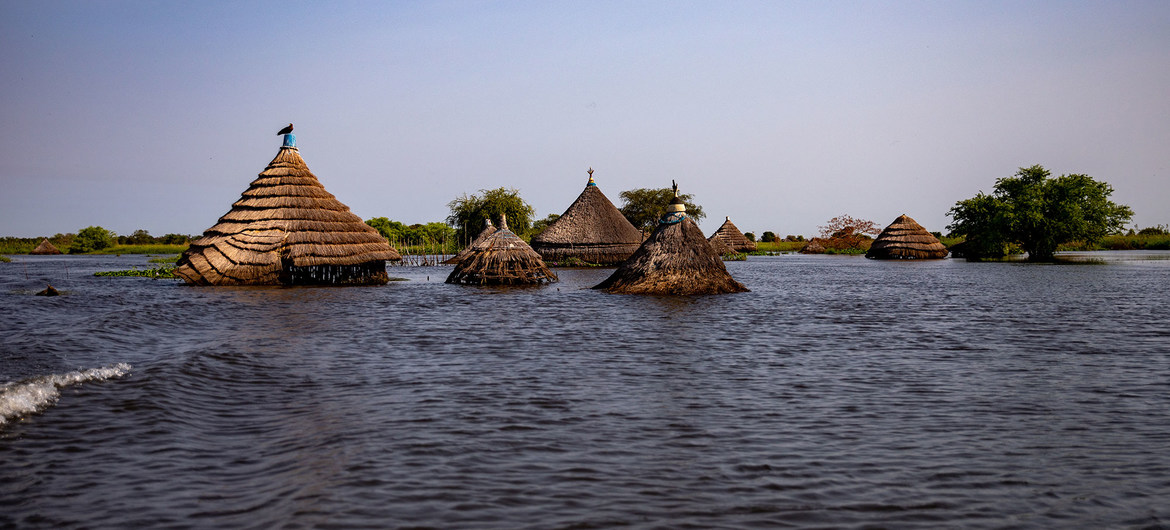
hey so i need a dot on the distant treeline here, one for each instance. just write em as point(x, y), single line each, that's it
point(92, 238)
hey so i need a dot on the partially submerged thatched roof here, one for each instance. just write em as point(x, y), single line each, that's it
point(732, 237)
point(906, 239)
point(675, 259)
point(286, 229)
point(45, 248)
point(502, 258)
point(487, 231)
point(592, 229)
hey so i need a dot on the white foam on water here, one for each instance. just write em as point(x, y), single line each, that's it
point(38, 393)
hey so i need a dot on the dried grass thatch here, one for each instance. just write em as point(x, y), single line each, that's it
point(487, 231)
point(286, 229)
point(676, 259)
point(502, 258)
point(906, 239)
point(592, 229)
point(45, 248)
point(732, 237)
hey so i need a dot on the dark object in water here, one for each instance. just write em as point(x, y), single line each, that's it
point(285, 130)
point(502, 259)
point(49, 291)
point(906, 239)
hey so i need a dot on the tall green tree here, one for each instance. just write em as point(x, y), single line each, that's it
point(1038, 212)
point(92, 238)
point(469, 213)
point(643, 206)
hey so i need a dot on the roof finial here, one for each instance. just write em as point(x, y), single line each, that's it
point(503, 221)
point(674, 185)
point(290, 139)
point(591, 183)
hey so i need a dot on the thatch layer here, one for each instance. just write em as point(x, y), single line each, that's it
point(906, 239)
point(286, 229)
point(502, 258)
point(675, 259)
point(730, 235)
point(592, 229)
point(488, 230)
point(45, 248)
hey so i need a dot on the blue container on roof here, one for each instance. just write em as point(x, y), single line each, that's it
point(290, 140)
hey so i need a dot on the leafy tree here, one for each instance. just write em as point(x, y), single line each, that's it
point(398, 232)
point(1038, 213)
point(540, 225)
point(845, 234)
point(751, 236)
point(174, 239)
point(469, 214)
point(1157, 230)
point(138, 237)
point(92, 238)
point(768, 237)
point(392, 230)
point(643, 206)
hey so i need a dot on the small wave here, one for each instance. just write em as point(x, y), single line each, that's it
point(37, 393)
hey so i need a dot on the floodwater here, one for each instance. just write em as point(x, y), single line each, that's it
point(839, 393)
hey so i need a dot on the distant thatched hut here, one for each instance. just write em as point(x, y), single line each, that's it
point(906, 239)
point(45, 248)
point(487, 231)
point(732, 237)
point(675, 259)
point(502, 258)
point(286, 229)
point(592, 229)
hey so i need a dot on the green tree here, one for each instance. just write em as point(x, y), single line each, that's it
point(469, 214)
point(92, 238)
point(540, 225)
point(391, 230)
point(138, 237)
point(1037, 212)
point(769, 236)
point(643, 206)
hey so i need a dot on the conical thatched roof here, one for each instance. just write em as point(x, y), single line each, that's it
point(719, 246)
point(732, 237)
point(487, 231)
point(675, 259)
point(502, 258)
point(906, 239)
point(45, 248)
point(286, 229)
point(592, 229)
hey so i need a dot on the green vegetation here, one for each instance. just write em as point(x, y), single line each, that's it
point(165, 259)
point(160, 272)
point(1122, 242)
point(5, 259)
point(734, 257)
point(142, 249)
point(431, 238)
point(643, 206)
point(843, 235)
point(92, 238)
point(777, 245)
point(1038, 213)
point(469, 214)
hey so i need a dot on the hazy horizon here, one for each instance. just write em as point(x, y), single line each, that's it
point(781, 115)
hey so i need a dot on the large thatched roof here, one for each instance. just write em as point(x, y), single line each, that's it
point(488, 230)
point(286, 229)
point(732, 237)
point(45, 248)
point(675, 259)
point(502, 258)
point(592, 229)
point(906, 239)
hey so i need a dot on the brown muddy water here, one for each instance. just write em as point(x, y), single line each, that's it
point(839, 393)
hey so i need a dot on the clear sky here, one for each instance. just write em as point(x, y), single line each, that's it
point(780, 114)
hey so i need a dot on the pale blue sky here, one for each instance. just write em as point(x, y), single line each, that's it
point(157, 115)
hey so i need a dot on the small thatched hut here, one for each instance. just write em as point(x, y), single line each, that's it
point(730, 235)
point(45, 248)
point(906, 239)
point(502, 258)
point(487, 231)
point(286, 229)
point(675, 259)
point(592, 229)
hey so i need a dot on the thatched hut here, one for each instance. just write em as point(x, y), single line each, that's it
point(675, 259)
point(45, 248)
point(906, 239)
point(488, 230)
point(287, 230)
point(502, 258)
point(730, 235)
point(592, 229)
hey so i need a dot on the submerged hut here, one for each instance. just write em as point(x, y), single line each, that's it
point(502, 258)
point(592, 229)
point(906, 239)
point(675, 259)
point(45, 248)
point(730, 235)
point(287, 230)
point(487, 231)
